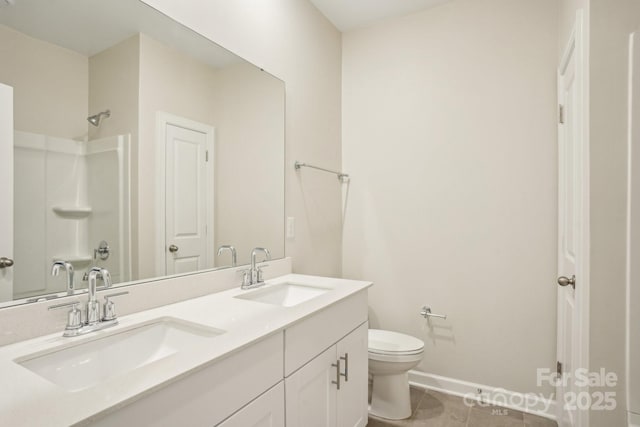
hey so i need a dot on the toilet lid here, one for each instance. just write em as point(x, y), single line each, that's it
point(382, 342)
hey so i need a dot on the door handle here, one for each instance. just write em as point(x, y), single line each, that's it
point(173, 249)
point(565, 281)
point(6, 262)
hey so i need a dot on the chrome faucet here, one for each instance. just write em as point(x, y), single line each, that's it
point(253, 277)
point(234, 258)
point(93, 306)
point(93, 320)
point(55, 270)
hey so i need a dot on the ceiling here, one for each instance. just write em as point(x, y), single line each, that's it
point(350, 14)
point(91, 26)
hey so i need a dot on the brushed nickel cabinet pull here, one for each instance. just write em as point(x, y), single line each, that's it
point(346, 367)
point(337, 366)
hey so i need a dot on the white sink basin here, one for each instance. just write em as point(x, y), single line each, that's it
point(92, 362)
point(284, 294)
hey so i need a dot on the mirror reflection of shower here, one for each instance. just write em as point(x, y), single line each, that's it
point(78, 197)
point(97, 118)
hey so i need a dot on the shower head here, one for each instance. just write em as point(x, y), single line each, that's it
point(95, 119)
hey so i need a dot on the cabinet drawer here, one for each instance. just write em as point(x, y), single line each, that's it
point(311, 336)
point(208, 396)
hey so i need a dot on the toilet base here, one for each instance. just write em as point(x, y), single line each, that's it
point(390, 397)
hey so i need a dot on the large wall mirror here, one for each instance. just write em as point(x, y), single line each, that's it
point(139, 146)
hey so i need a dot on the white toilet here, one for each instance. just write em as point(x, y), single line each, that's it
point(391, 355)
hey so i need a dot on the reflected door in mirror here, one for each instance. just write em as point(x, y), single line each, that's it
point(189, 198)
point(6, 183)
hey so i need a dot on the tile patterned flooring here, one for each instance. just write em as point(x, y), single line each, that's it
point(433, 409)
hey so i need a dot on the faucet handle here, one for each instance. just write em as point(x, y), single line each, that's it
point(246, 277)
point(110, 307)
point(260, 272)
point(74, 317)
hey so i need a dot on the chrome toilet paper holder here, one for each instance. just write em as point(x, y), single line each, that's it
point(426, 313)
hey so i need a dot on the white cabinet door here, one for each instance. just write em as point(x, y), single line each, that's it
point(6, 178)
point(311, 393)
point(352, 397)
point(320, 395)
point(266, 411)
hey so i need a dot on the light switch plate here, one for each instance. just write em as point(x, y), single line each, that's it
point(291, 227)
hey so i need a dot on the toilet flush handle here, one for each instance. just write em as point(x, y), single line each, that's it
point(426, 313)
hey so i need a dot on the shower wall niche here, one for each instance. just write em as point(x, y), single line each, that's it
point(69, 196)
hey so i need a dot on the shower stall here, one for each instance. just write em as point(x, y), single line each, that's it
point(69, 196)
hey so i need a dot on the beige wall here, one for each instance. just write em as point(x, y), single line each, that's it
point(114, 76)
point(294, 42)
point(611, 23)
point(175, 83)
point(50, 85)
point(249, 121)
point(450, 137)
point(159, 78)
point(114, 85)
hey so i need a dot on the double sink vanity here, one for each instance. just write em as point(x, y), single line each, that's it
point(292, 351)
point(97, 196)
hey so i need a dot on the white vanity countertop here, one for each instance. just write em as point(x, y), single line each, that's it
point(29, 400)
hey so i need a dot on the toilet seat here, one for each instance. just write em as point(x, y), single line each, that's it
point(396, 358)
point(389, 343)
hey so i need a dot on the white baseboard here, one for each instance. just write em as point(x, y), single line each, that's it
point(530, 403)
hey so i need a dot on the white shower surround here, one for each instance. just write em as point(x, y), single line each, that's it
point(66, 199)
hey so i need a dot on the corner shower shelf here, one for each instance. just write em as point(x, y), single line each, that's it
point(73, 211)
point(74, 259)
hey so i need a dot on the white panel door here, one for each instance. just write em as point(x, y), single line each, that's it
point(633, 247)
point(6, 205)
point(265, 411)
point(352, 397)
point(571, 235)
point(186, 200)
point(310, 394)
